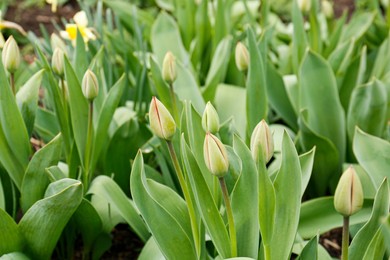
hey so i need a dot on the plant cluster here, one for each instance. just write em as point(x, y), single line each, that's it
point(214, 129)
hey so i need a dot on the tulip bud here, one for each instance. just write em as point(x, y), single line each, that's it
point(327, 9)
point(11, 55)
point(57, 42)
point(57, 62)
point(242, 57)
point(262, 141)
point(90, 85)
point(210, 119)
point(161, 121)
point(169, 68)
point(348, 198)
point(304, 5)
point(215, 155)
point(2, 41)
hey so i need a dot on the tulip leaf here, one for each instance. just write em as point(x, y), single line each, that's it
point(206, 204)
point(319, 216)
point(35, 180)
point(159, 204)
point(47, 217)
point(244, 199)
point(80, 57)
point(361, 241)
point(256, 92)
point(358, 26)
point(373, 154)
point(78, 109)
point(340, 60)
point(299, 42)
point(306, 161)
point(10, 237)
point(287, 186)
point(310, 251)
point(376, 249)
point(107, 188)
point(27, 99)
point(151, 251)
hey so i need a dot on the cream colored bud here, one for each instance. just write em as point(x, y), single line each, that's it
point(242, 57)
point(57, 42)
point(90, 85)
point(215, 155)
point(11, 55)
point(210, 119)
point(169, 68)
point(57, 62)
point(304, 5)
point(327, 9)
point(262, 141)
point(161, 121)
point(348, 198)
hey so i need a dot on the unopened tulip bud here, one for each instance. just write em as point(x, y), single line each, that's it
point(348, 198)
point(327, 9)
point(210, 119)
point(169, 68)
point(215, 155)
point(90, 85)
point(304, 5)
point(242, 57)
point(57, 42)
point(57, 62)
point(11, 55)
point(161, 121)
point(262, 141)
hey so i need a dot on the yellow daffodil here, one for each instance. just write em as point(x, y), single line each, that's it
point(54, 4)
point(81, 23)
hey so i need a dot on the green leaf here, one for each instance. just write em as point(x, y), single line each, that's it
point(373, 154)
point(10, 237)
point(306, 161)
point(151, 251)
point(43, 223)
point(78, 109)
point(256, 92)
point(288, 200)
point(366, 234)
point(376, 249)
point(310, 251)
point(27, 99)
point(15, 256)
point(80, 57)
point(46, 124)
point(105, 187)
point(299, 41)
point(244, 199)
point(205, 203)
point(340, 60)
point(320, 97)
point(357, 26)
point(381, 65)
point(35, 180)
point(159, 204)
point(319, 216)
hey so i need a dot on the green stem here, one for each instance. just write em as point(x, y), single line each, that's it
point(187, 197)
point(174, 105)
point(267, 252)
point(345, 242)
point(88, 147)
point(12, 79)
point(229, 211)
point(64, 98)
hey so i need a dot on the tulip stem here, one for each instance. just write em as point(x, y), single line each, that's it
point(229, 212)
point(88, 146)
point(174, 105)
point(187, 197)
point(12, 79)
point(345, 241)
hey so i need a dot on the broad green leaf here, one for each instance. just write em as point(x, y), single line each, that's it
point(366, 234)
point(287, 186)
point(105, 187)
point(168, 5)
point(373, 154)
point(244, 199)
point(319, 216)
point(376, 249)
point(320, 98)
point(222, 22)
point(278, 97)
point(27, 99)
point(340, 60)
point(185, 16)
point(105, 116)
point(78, 109)
point(10, 237)
point(206, 204)
point(381, 65)
point(46, 124)
point(47, 217)
point(35, 180)
point(80, 60)
point(299, 41)
point(306, 161)
point(335, 34)
point(256, 92)
point(386, 232)
point(218, 68)
point(159, 204)
point(326, 162)
point(15, 256)
point(151, 251)
point(368, 109)
point(358, 26)
point(310, 251)
point(314, 33)
point(203, 35)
